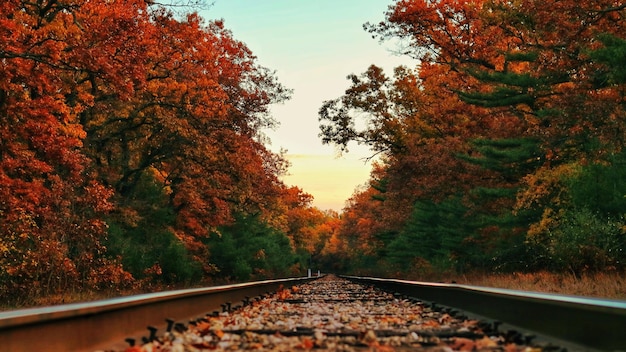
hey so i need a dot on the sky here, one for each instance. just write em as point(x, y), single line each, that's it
point(312, 45)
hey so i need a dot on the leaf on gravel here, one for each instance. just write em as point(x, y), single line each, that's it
point(486, 342)
point(134, 349)
point(306, 344)
point(462, 344)
point(218, 333)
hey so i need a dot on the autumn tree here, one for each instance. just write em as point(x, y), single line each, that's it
point(193, 114)
point(420, 130)
point(195, 119)
point(307, 227)
point(530, 59)
point(509, 97)
point(415, 130)
point(351, 248)
point(51, 207)
point(116, 114)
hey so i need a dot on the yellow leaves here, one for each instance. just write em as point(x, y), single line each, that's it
point(545, 186)
point(549, 219)
point(545, 190)
point(3, 248)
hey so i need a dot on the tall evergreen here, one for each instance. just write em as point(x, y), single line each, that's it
point(434, 233)
point(613, 56)
point(510, 157)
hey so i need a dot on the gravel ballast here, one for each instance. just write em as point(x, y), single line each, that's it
point(334, 314)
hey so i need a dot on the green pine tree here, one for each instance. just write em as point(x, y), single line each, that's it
point(434, 233)
point(613, 56)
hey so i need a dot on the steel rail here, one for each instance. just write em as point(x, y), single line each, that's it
point(595, 324)
point(100, 324)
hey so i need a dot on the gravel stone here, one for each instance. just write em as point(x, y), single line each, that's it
point(334, 314)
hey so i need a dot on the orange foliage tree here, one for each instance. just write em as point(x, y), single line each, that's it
point(51, 206)
point(97, 96)
point(308, 228)
point(506, 92)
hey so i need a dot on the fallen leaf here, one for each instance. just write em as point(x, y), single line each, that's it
point(462, 344)
point(306, 344)
point(384, 348)
point(511, 347)
point(134, 349)
point(218, 333)
point(485, 342)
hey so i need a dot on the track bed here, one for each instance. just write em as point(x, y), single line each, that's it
point(334, 314)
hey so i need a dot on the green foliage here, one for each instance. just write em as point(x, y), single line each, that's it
point(251, 249)
point(501, 96)
point(613, 55)
point(585, 240)
point(498, 242)
point(585, 231)
point(486, 192)
point(381, 187)
point(365, 265)
point(500, 245)
point(511, 157)
point(511, 88)
point(524, 80)
point(519, 56)
point(435, 232)
point(140, 237)
point(601, 186)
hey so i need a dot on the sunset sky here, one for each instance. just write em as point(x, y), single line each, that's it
point(312, 46)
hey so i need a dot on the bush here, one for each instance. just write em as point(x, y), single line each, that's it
point(250, 249)
point(588, 241)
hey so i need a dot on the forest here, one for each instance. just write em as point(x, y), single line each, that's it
point(132, 155)
point(503, 150)
point(133, 158)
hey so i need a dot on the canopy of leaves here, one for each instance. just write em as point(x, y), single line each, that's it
point(127, 124)
point(511, 119)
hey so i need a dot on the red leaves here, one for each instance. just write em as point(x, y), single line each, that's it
point(492, 70)
point(79, 72)
point(93, 95)
point(134, 349)
point(306, 343)
point(283, 294)
point(465, 344)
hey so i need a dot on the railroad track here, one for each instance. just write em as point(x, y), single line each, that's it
point(335, 314)
point(575, 323)
point(103, 324)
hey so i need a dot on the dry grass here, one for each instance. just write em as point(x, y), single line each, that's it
point(78, 296)
point(606, 285)
point(58, 298)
